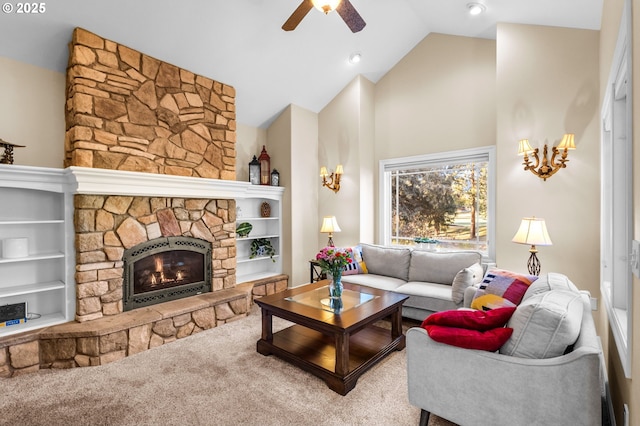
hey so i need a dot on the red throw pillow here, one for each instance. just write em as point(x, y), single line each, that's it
point(490, 340)
point(472, 320)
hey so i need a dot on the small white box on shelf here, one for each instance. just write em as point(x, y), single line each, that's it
point(13, 248)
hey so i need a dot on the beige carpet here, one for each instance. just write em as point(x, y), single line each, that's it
point(212, 378)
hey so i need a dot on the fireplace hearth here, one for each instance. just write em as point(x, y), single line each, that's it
point(164, 269)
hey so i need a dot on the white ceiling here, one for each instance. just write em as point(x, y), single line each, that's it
point(241, 43)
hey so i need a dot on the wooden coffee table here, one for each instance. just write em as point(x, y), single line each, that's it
point(339, 346)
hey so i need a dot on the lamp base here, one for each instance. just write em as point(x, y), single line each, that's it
point(533, 264)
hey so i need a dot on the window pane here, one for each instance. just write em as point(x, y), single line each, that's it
point(447, 203)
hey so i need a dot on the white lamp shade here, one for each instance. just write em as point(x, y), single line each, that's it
point(329, 225)
point(532, 231)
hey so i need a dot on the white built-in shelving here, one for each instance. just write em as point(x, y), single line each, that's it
point(36, 204)
point(248, 209)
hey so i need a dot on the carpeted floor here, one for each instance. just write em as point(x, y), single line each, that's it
point(212, 378)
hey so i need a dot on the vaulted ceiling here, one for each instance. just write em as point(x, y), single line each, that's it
point(241, 43)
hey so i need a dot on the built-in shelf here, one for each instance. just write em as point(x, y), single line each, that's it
point(31, 288)
point(37, 204)
point(270, 228)
point(33, 257)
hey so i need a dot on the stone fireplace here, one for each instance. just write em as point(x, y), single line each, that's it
point(150, 149)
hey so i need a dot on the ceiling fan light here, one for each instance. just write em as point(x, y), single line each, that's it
point(326, 6)
point(476, 8)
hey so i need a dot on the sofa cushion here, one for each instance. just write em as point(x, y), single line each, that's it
point(490, 340)
point(501, 288)
point(545, 324)
point(471, 319)
point(389, 261)
point(548, 282)
point(440, 267)
point(463, 279)
point(376, 281)
point(357, 265)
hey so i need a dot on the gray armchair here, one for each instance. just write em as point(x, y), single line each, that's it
point(473, 387)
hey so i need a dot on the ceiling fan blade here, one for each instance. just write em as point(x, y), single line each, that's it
point(297, 15)
point(350, 16)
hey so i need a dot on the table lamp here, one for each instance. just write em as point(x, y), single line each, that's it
point(329, 226)
point(533, 231)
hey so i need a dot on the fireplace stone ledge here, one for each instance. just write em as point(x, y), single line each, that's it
point(109, 339)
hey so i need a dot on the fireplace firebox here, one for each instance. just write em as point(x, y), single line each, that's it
point(165, 269)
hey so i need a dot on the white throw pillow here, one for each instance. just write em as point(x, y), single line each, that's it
point(545, 324)
point(463, 279)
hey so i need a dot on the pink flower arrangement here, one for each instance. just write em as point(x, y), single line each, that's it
point(334, 260)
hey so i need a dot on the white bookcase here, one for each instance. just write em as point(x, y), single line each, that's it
point(36, 204)
point(248, 209)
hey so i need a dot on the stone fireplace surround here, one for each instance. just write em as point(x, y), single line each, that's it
point(107, 334)
point(150, 152)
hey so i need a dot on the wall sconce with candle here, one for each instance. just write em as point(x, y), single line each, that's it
point(544, 168)
point(331, 181)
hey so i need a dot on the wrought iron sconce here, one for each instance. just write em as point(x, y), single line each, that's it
point(331, 181)
point(544, 168)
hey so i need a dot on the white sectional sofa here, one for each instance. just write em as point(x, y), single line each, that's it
point(434, 281)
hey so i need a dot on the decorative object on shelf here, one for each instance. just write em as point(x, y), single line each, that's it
point(265, 167)
point(275, 178)
point(430, 242)
point(265, 209)
point(254, 171)
point(331, 181)
point(262, 247)
point(7, 157)
point(547, 168)
point(14, 248)
point(333, 261)
point(244, 229)
point(329, 226)
point(533, 231)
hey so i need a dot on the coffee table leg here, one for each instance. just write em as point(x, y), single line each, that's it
point(342, 354)
point(396, 327)
point(265, 344)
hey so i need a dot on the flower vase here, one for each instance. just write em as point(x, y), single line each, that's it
point(335, 284)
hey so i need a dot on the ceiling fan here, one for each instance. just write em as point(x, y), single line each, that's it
point(344, 8)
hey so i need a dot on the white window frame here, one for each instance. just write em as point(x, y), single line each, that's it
point(616, 229)
point(486, 153)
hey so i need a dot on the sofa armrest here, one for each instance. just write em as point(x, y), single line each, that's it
point(477, 387)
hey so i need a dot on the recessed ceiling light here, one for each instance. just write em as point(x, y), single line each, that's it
point(354, 58)
point(476, 8)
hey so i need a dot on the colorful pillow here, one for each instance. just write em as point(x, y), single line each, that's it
point(471, 320)
point(357, 265)
point(490, 340)
point(501, 288)
point(463, 279)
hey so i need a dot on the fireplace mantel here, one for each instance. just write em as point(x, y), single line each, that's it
point(116, 182)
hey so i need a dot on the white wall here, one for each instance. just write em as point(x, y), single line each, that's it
point(32, 113)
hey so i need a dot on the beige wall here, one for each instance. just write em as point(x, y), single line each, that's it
point(345, 137)
point(292, 141)
point(32, 113)
point(249, 143)
point(547, 82)
point(624, 391)
point(439, 97)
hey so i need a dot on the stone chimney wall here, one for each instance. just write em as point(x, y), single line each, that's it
point(128, 111)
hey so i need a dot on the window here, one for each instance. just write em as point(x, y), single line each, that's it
point(617, 197)
point(446, 197)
